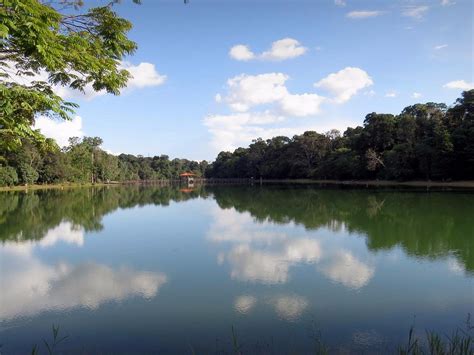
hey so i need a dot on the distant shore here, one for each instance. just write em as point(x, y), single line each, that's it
point(417, 183)
point(469, 184)
point(49, 186)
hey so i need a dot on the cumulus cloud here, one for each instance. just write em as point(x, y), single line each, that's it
point(246, 92)
point(391, 94)
point(241, 52)
point(340, 3)
point(290, 307)
point(416, 95)
point(268, 267)
point(416, 12)
point(459, 85)
point(230, 131)
point(259, 254)
point(31, 286)
point(248, 262)
point(239, 129)
point(142, 75)
point(301, 105)
point(455, 266)
point(345, 268)
point(282, 49)
point(447, 2)
point(345, 83)
point(441, 46)
point(285, 48)
point(60, 131)
point(244, 304)
point(359, 15)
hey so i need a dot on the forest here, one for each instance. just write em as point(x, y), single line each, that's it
point(428, 141)
point(425, 142)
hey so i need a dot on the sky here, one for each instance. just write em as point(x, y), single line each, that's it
point(213, 75)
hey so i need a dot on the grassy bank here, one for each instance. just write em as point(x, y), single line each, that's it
point(49, 186)
point(469, 184)
point(454, 184)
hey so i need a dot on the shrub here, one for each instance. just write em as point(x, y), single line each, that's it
point(28, 175)
point(8, 176)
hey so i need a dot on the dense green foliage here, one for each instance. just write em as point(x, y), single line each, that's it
point(43, 44)
point(83, 161)
point(425, 141)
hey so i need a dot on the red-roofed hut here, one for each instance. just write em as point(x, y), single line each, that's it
point(187, 178)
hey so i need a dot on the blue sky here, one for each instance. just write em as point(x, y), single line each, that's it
point(332, 62)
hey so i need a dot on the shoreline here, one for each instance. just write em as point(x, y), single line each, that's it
point(469, 184)
point(414, 183)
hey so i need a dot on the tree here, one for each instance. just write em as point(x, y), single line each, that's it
point(8, 176)
point(41, 47)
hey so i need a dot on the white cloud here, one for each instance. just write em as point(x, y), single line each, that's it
point(282, 49)
point(246, 91)
point(346, 269)
point(447, 2)
point(285, 48)
point(345, 83)
point(248, 261)
point(455, 266)
point(416, 12)
point(290, 307)
point(416, 95)
point(31, 286)
point(239, 129)
point(234, 130)
point(241, 52)
point(459, 85)
point(441, 46)
point(340, 3)
point(244, 304)
point(301, 105)
point(258, 254)
point(60, 131)
point(359, 15)
point(143, 75)
point(391, 94)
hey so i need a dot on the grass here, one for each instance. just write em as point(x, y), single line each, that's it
point(460, 342)
point(49, 186)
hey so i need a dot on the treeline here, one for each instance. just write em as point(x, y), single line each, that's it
point(83, 161)
point(425, 141)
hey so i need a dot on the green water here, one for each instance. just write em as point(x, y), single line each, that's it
point(159, 270)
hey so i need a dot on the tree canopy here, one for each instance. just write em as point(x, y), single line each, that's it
point(55, 43)
point(425, 141)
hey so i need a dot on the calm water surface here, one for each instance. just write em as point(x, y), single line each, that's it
point(159, 270)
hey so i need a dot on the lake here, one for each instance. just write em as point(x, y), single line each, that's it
point(272, 269)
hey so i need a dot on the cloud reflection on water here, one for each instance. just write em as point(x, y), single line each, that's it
point(258, 253)
point(30, 285)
